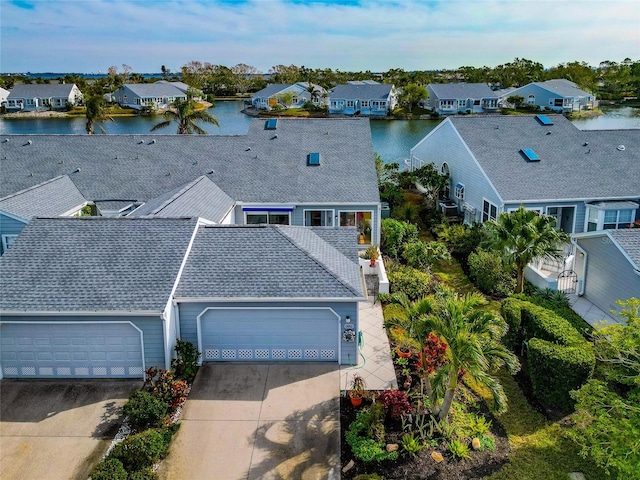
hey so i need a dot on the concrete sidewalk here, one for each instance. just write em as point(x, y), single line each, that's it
point(259, 421)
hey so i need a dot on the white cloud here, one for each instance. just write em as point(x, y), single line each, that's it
point(90, 35)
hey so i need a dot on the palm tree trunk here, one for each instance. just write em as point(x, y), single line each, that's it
point(448, 396)
point(520, 279)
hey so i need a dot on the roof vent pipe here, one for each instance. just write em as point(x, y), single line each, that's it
point(620, 148)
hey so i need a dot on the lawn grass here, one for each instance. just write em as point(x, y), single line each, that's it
point(539, 448)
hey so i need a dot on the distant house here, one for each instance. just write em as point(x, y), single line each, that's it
point(3, 97)
point(109, 297)
point(184, 88)
point(558, 95)
point(271, 96)
point(453, 98)
point(608, 266)
point(51, 198)
point(362, 98)
point(157, 95)
point(33, 97)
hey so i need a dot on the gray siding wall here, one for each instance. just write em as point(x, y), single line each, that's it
point(444, 145)
point(542, 95)
point(609, 276)
point(151, 327)
point(189, 313)
point(9, 226)
point(579, 212)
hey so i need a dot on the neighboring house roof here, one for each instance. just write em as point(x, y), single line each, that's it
point(628, 240)
point(231, 261)
point(114, 205)
point(380, 91)
point(94, 264)
point(562, 87)
point(574, 164)
point(271, 89)
point(41, 90)
point(158, 89)
point(462, 90)
point(264, 166)
point(50, 198)
point(200, 198)
point(4, 93)
point(183, 87)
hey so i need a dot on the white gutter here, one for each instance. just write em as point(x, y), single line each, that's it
point(584, 265)
point(266, 299)
point(76, 313)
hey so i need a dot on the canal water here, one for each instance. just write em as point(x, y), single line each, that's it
point(392, 139)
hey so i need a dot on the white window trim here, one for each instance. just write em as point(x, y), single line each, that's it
point(373, 216)
point(575, 214)
point(459, 192)
point(601, 214)
point(6, 237)
point(332, 210)
point(489, 215)
point(265, 212)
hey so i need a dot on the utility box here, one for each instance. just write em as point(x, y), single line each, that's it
point(386, 211)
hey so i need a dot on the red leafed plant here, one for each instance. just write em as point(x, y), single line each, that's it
point(163, 385)
point(433, 353)
point(395, 402)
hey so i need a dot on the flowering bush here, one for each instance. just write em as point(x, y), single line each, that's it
point(395, 402)
point(163, 385)
point(433, 353)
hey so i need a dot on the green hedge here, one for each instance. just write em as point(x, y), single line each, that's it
point(559, 358)
point(555, 370)
point(414, 283)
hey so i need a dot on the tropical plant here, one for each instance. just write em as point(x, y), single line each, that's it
point(410, 444)
point(95, 112)
point(186, 363)
point(144, 410)
point(422, 255)
point(395, 402)
point(458, 450)
point(184, 112)
point(523, 235)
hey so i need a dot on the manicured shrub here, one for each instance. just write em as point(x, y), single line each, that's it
point(395, 235)
point(554, 303)
point(186, 363)
point(144, 410)
point(109, 469)
point(421, 255)
point(144, 474)
point(511, 311)
point(164, 387)
point(555, 370)
point(140, 451)
point(490, 274)
point(410, 281)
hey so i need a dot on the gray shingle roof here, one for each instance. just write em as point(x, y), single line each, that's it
point(256, 167)
point(629, 241)
point(154, 89)
point(200, 198)
point(94, 264)
point(271, 89)
point(44, 90)
point(562, 87)
point(267, 262)
point(378, 91)
point(50, 198)
point(462, 90)
point(573, 164)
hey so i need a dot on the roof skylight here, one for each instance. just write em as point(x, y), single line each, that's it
point(530, 155)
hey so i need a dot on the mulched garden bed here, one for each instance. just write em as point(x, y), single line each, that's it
point(422, 466)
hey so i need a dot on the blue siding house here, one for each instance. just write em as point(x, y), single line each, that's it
point(38, 97)
point(453, 98)
point(559, 95)
point(365, 97)
point(110, 296)
point(271, 97)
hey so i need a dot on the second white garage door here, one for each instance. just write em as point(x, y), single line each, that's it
point(269, 334)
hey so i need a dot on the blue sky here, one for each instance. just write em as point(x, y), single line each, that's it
point(90, 35)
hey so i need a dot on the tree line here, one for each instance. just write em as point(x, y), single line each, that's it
point(610, 80)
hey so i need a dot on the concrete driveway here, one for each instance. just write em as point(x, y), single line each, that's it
point(259, 421)
point(58, 430)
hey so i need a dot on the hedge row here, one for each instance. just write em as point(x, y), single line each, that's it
point(559, 359)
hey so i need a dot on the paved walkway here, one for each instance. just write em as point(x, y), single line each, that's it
point(591, 314)
point(375, 364)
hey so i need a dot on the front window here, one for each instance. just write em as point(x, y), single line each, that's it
point(7, 241)
point(361, 220)
point(318, 218)
point(489, 211)
point(364, 103)
point(349, 103)
point(270, 218)
point(617, 219)
point(609, 218)
point(592, 220)
point(531, 99)
point(462, 103)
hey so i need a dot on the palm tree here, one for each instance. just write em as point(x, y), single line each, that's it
point(523, 235)
point(473, 336)
point(96, 112)
point(473, 344)
point(185, 113)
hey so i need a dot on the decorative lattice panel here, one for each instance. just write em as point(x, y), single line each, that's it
point(99, 370)
point(82, 371)
point(117, 370)
point(245, 354)
point(63, 371)
point(11, 370)
point(211, 354)
point(295, 353)
point(27, 370)
point(326, 354)
point(228, 354)
point(262, 353)
point(135, 370)
point(278, 353)
point(311, 353)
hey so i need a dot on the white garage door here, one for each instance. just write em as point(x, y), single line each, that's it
point(269, 334)
point(71, 350)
